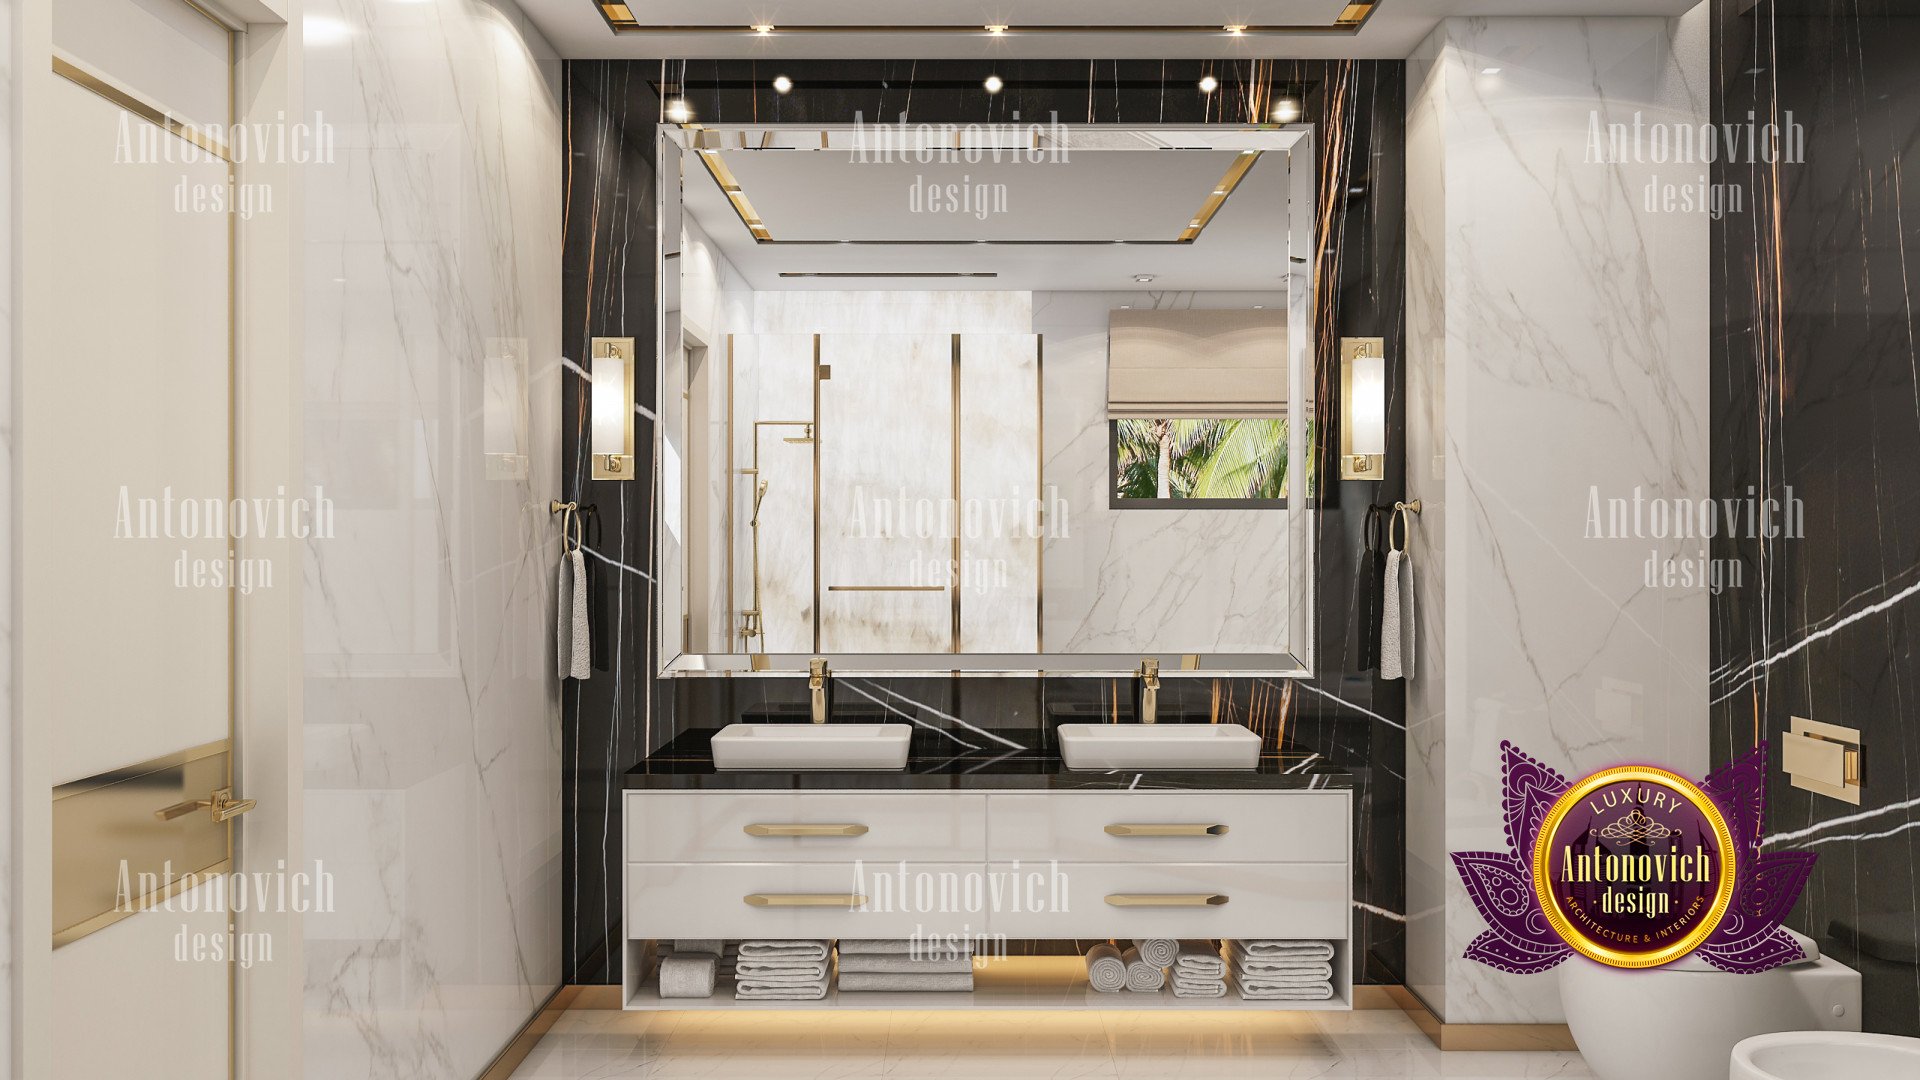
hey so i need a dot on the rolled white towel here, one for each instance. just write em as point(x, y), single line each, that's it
point(1143, 977)
point(686, 976)
point(1106, 971)
point(1159, 951)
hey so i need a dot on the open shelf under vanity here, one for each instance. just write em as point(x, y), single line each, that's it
point(1000, 983)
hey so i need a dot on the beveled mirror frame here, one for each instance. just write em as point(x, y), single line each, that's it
point(1294, 660)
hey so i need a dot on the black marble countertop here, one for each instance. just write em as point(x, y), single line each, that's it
point(937, 761)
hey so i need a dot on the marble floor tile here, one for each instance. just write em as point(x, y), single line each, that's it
point(1085, 1045)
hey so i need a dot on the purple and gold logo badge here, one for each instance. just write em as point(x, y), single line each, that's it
point(1633, 867)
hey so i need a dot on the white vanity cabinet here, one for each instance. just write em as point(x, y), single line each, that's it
point(1073, 864)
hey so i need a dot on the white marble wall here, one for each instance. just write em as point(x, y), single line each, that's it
point(431, 705)
point(1135, 580)
point(7, 910)
point(1557, 337)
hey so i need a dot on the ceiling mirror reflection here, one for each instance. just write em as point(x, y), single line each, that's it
point(985, 398)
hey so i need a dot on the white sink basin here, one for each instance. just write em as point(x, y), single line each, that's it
point(1826, 1055)
point(802, 747)
point(1158, 746)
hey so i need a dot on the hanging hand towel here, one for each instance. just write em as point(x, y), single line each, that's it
point(1396, 618)
point(1366, 592)
point(576, 647)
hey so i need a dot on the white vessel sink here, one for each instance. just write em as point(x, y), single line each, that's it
point(1826, 1055)
point(1158, 746)
point(802, 747)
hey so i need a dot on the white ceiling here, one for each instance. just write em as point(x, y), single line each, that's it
point(1093, 198)
point(577, 30)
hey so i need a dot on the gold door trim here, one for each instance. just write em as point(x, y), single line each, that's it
point(141, 108)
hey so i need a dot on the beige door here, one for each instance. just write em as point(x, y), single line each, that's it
point(126, 598)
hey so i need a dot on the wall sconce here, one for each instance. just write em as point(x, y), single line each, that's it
point(1363, 393)
point(612, 434)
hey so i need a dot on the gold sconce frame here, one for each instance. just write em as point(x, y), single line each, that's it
point(610, 430)
point(1357, 466)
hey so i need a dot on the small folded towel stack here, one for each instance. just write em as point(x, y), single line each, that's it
point(689, 968)
point(901, 965)
point(1199, 971)
point(781, 971)
point(1273, 970)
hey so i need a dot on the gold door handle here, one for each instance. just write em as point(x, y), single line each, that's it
point(845, 900)
point(805, 830)
point(1165, 899)
point(1167, 830)
point(222, 804)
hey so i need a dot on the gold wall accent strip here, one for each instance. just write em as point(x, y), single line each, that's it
point(1040, 492)
point(887, 588)
point(730, 187)
point(958, 513)
point(1222, 191)
point(819, 436)
point(566, 998)
point(733, 540)
point(145, 110)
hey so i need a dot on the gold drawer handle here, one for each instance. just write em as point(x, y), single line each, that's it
point(1165, 899)
point(843, 900)
point(1167, 830)
point(806, 830)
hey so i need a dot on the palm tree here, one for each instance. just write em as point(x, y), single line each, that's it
point(1201, 459)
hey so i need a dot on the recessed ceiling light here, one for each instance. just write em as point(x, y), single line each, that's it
point(1286, 110)
point(1235, 28)
point(679, 111)
point(762, 28)
point(1126, 307)
point(996, 28)
point(782, 84)
point(1257, 307)
point(1490, 71)
point(1208, 84)
point(1143, 278)
point(993, 84)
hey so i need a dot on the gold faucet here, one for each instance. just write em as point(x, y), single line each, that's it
point(817, 677)
point(1149, 689)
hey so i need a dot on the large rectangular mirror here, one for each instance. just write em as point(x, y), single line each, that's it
point(989, 398)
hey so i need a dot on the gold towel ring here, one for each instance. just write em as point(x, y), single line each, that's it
point(572, 532)
point(1400, 512)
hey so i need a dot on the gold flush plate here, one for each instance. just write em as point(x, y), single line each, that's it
point(1822, 758)
point(1357, 466)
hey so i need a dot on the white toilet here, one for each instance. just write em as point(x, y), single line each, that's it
point(1826, 1055)
point(1682, 1021)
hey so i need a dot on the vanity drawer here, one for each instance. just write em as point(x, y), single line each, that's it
point(804, 826)
point(793, 900)
point(1153, 826)
point(1087, 900)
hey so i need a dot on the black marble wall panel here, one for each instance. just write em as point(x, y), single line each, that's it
point(1817, 405)
point(1345, 714)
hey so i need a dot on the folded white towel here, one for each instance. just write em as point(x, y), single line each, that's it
point(1200, 958)
point(748, 990)
point(1270, 949)
point(1318, 973)
point(783, 950)
point(1106, 971)
point(710, 946)
point(901, 982)
point(1262, 991)
point(784, 970)
point(1198, 988)
point(876, 962)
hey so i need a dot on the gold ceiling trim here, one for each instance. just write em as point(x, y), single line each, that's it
point(620, 19)
point(729, 184)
